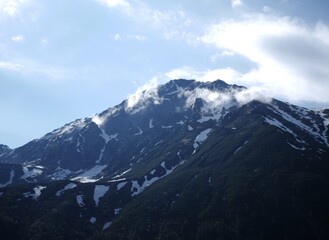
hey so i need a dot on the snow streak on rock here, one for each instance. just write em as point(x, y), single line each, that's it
point(12, 174)
point(89, 175)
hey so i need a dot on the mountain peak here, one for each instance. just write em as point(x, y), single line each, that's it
point(224, 147)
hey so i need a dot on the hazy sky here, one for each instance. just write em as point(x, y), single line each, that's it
point(67, 59)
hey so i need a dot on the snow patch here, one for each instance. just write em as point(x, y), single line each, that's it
point(190, 128)
point(107, 225)
point(60, 174)
point(37, 192)
point(12, 174)
point(67, 187)
point(32, 173)
point(297, 148)
point(79, 199)
point(240, 147)
point(158, 143)
point(280, 125)
point(301, 125)
point(151, 123)
point(121, 185)
point(100, 191)
point(116, 180)
point(89, 175)
point(92, 220)
point(136, 189)
point(106, 138)
point(166, 127)
point(140, 132)
point(201, 138)
point(180, 123)
point(121, 174)
point(117, 211)
point(67, 130)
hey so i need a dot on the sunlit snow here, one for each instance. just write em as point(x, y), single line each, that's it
point(89, 175)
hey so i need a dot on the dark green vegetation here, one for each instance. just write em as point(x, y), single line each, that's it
point(262, 173)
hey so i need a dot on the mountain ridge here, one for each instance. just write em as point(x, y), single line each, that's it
point(184, 160)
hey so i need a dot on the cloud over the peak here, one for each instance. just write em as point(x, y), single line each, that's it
point(143, 96)
point(236, 3)
point(291, 58)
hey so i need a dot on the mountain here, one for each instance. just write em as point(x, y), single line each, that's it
point(184, 160)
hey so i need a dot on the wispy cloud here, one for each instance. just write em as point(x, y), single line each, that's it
point(116, 36)
point(227, 74)
point(115, 3)
point(144, 96)
point(17, 38)
point(12, 7)
point(171, 23)
point(236, 3)
point(140, 38)
point(10, 66)
point(29, 67)
point(291, 58)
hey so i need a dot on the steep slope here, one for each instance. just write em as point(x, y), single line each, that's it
point(245, 182)
point(110, 143)
point(185, 160)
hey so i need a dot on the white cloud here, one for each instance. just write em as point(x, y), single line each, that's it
point(115, 3)
point(116, 36)
point(18, 38)
point(10, 66)
point(224, 53)
point(138, 38)
point(12, 7)
point(144, 95)
point(236, 3)
point(171, 23)
point(248, 95)
point(292, 59)
point(226, 74)
point(267, 9)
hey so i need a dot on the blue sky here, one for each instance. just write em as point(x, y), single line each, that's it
point(67, 59)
